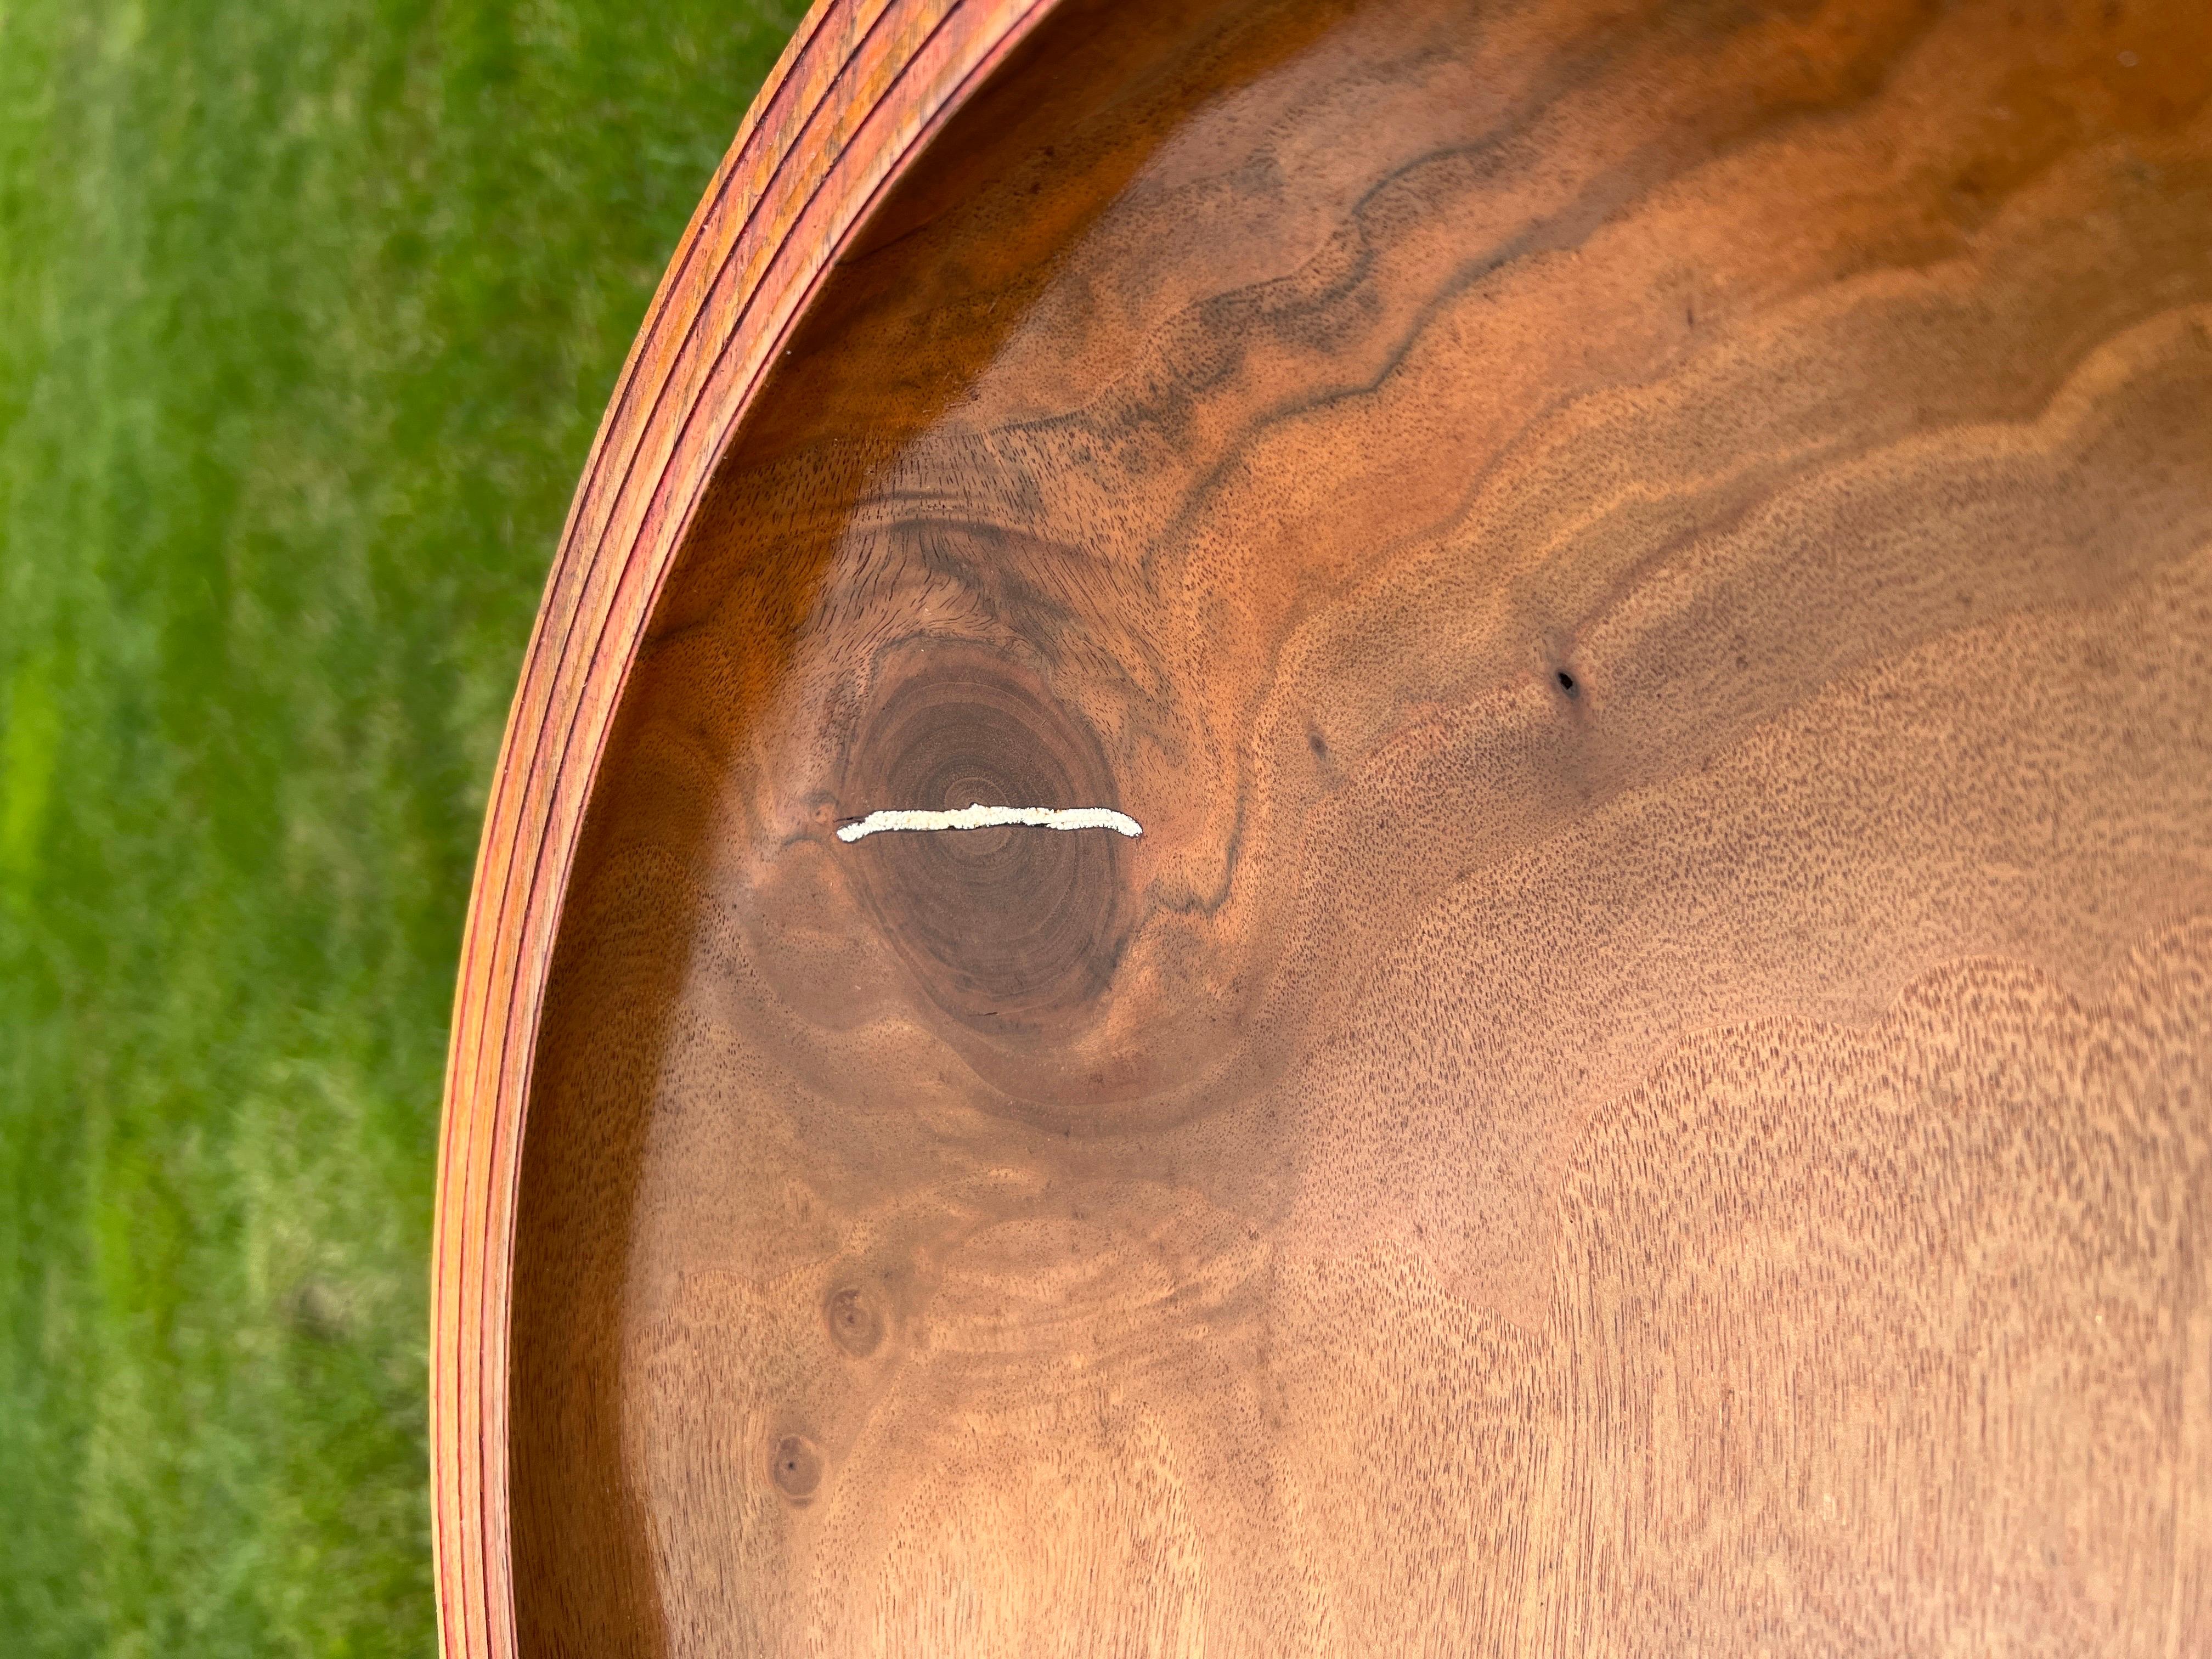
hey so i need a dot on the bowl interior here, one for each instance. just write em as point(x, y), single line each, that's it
point(1644, 572)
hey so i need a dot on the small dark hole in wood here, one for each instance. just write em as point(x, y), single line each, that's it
point(854, 1324)
point(798, 1467)
point(1568, 684)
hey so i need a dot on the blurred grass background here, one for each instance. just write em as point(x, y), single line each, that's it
point(308, 309)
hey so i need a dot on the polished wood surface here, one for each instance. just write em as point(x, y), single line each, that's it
point(861, 89)
point(1646, 569)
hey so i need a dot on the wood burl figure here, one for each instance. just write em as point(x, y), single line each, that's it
point(1369, 827)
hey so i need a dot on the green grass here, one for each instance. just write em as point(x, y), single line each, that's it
point(307, 311)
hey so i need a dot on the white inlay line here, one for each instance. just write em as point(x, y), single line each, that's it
point(979, 816)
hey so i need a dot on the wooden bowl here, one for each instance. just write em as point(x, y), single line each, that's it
point(1645, 571)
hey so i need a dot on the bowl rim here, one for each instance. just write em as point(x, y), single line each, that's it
point(859, 92)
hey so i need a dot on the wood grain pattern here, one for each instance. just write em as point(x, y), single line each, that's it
point(1647, 569)
point(856, 94)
